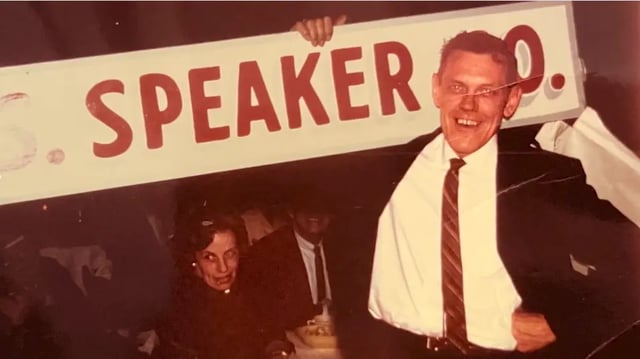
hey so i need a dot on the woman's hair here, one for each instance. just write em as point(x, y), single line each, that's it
point(195, 231)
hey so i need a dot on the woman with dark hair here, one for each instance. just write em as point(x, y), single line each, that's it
point(211, 315)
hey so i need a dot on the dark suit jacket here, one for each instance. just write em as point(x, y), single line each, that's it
point(278, 277)
point(551, 226)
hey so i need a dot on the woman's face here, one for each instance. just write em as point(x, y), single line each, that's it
point(218, 263)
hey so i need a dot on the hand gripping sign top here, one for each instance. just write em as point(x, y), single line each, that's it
point(108, 121)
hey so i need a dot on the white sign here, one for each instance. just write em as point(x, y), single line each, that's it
point(108, 121)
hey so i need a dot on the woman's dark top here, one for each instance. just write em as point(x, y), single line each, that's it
point(205, 323)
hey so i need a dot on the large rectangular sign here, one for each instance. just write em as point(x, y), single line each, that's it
point(108, 121)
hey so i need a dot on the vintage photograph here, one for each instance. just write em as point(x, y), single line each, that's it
point(319, 180)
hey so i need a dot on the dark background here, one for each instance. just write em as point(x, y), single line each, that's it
point(608, 35)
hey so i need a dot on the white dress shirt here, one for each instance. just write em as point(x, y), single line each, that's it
point(406, 279)
point(308, 256)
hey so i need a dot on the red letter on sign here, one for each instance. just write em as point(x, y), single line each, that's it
point(154, 118)
point(200, 103)
point(105, 115)
point(527, 34)
point(400, 81)
point(296, 87)
point(250, 79)
point(342, 80)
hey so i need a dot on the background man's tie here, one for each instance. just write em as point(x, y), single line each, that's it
point(452, 290)
point(320, 282)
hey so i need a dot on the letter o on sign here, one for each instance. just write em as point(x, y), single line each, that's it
point(530, 38)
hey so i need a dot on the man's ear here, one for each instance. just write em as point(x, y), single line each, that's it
point(435, 89)
point(513, 101)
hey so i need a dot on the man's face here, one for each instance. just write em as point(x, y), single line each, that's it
point(218, 263)
point(311, 223)
point(472, 97)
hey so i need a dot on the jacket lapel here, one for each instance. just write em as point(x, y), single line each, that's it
point(300, 282)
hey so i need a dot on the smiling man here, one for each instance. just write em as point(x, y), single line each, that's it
point(474, 92)
point(482, 247)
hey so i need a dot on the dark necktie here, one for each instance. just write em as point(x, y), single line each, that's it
point(320, 282)
point(452, 290)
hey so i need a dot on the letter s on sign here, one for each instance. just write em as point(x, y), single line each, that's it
point(107, 116)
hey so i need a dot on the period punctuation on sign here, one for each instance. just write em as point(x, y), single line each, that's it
point(557, 81)
point(55, 156)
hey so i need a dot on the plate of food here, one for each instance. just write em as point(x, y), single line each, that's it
point(318, 335)
point(319, 331)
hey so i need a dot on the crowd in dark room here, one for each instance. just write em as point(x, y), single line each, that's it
point(134, 224)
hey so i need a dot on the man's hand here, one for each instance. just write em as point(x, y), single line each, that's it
point(531, 331)
point(318, 31)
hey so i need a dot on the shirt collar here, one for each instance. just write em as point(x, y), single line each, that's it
point(440, 152)
point(303, 243)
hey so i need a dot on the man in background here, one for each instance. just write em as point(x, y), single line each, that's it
point(290, 269)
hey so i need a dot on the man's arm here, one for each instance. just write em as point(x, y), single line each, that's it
point(604, 297)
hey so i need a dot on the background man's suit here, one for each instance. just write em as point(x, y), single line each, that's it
point(277, 272)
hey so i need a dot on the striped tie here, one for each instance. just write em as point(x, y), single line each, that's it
point(452, 290)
